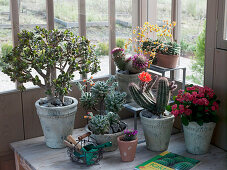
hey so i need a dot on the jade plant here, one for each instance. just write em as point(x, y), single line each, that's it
point(144, 97)
point(42, 53)
point(134, 64)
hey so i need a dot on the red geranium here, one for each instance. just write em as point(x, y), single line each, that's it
point(197, 104)
point(145, 77)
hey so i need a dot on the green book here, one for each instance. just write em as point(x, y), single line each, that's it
point(168, 161)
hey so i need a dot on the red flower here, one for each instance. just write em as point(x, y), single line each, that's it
point(188, 112)
point(174, 107)
point(145, 77)
point(175, 112)
point(213, 108)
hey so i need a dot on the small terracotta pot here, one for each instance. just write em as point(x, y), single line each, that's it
point(127, 149)
point(167, 61)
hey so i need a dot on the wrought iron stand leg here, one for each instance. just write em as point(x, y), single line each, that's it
point(184, 77)
point(135, 120)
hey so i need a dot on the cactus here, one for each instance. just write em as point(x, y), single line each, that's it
point(143, 95)
point(137, 64)
point(99, 124)
point(170, 48)
point(118, 56)
point(134, 64)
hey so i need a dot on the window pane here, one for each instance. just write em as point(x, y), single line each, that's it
point(164, 10)
point(66, 17)
point(225, 26)
point(32, 13)
point(123, 23)
point(5, 43)
point(98, 31)
point(193, 16)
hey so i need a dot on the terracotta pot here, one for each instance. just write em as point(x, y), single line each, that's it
point(127, 149)
point(167, 61)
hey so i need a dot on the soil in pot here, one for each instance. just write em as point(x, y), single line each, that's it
point(127, 149)
point(57, 122)
point(198, 138)
point(157, 131)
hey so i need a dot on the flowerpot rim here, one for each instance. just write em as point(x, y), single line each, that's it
point(196, 124)
point(161, 119)
point(109, 134)
point(75, 103)
point(132, 141)
point(134, 74)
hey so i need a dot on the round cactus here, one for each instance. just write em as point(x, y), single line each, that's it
point(137, 64)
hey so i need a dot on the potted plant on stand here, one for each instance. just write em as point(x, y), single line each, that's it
point(103, 98)
point(127, 145)
point(129, 69)
point(162, 51)
point(197, 107)
point(36, 59)
point(157, 123)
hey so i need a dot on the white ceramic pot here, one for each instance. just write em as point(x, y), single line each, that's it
point(123, 82)
point(57, 122)
point(101, 139)
point(197, 138)
point(157, 132)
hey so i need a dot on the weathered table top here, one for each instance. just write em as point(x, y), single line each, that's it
point(38, 156)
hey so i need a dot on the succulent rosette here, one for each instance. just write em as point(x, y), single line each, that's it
point(198, 104)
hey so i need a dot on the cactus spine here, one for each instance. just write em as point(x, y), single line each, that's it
point(143, 96)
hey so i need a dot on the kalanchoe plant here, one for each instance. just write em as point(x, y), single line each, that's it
point(132, 65)
point(198, 104)
point(102, 96)
point(144, 97)
point(129, 135)
point(42, 52)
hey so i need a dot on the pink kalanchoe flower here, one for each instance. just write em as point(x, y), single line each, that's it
point(174, 107)
point(188, 112)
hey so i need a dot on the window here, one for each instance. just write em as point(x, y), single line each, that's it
point(66, 17)
point(222, 25)
point(97, 28)
point(5, 43)
point(164, 10)
point(192, 39)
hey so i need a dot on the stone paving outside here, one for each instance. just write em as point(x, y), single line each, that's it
point(6, 84)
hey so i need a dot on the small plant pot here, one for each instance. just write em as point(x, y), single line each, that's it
point(127, 149)
point(123, 82)
point(157, 132)
point(101, 139)
point(167, 61)
point(57, 122)
point(197, 138)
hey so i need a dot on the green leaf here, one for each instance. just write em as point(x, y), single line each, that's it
point(184, 120)
point(168, 108)
point(200, 122)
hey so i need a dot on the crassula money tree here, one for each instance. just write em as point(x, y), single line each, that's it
point(132, 65)
point(198, 104)
point(40, 53)
point(144, 97)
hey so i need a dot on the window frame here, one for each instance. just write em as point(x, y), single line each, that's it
point(221, 42)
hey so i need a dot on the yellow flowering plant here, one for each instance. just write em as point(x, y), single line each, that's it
point(142, 42)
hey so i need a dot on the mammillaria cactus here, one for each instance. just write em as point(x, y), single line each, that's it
point(137, 64)
point(134, 64)
point(143, 95)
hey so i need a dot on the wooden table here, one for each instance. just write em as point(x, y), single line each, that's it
point(33, 154)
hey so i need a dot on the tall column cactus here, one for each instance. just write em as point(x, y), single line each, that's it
point(143, 95)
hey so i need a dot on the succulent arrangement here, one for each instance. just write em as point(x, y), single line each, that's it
point(105, 124)
point(133, 65)
point(129, 135)
point(144, 97)
point(103, 97)
point(170, 48)
point(45, 51)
